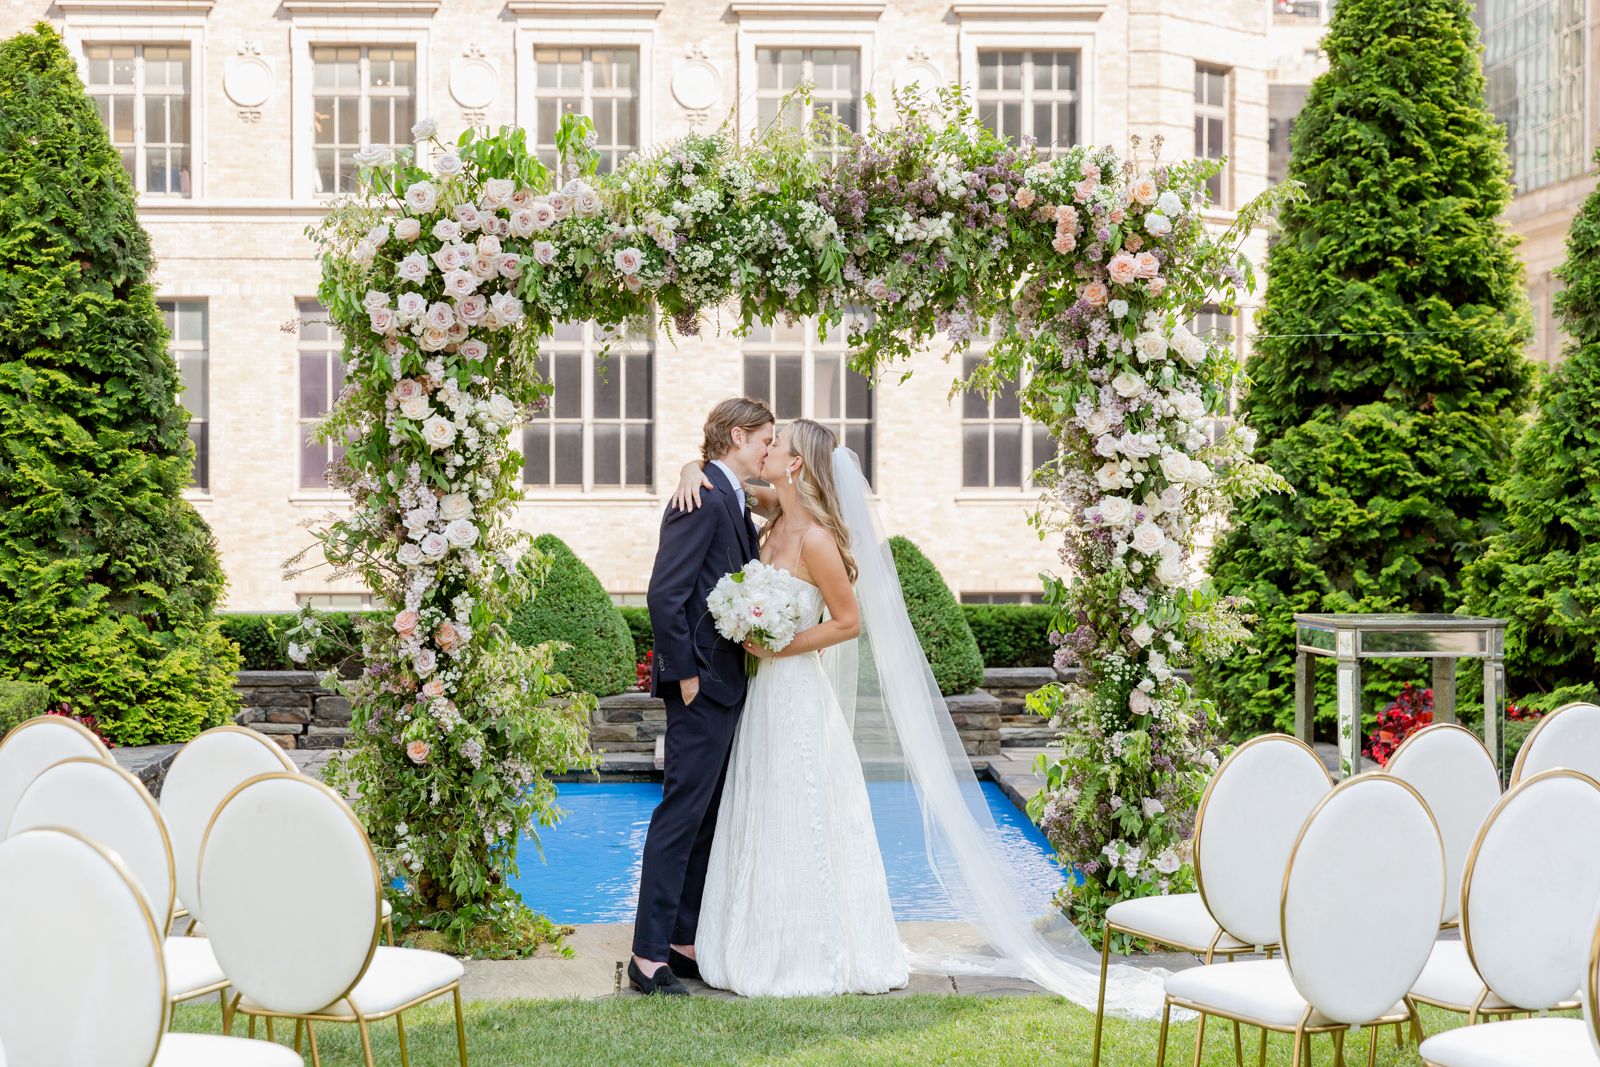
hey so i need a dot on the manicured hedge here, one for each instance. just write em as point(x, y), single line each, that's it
point(573, 607)
point(644, 636)
point(1011, 635)
point(21, 701)
point(941, 627)
point(264, 644)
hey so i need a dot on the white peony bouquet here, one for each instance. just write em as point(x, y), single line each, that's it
point(755, 604)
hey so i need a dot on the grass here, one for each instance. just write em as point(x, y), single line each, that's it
point(633, 1031)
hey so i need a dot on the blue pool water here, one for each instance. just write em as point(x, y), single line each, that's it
point(590, 872)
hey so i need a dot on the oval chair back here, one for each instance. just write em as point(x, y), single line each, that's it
point(1531, 882)
point(1591, 992)
point(1458, 781)
point(1567, 737)
point(82, 981)
point(1246, 825)
point(36, 744)
point(109, 806)
point(203, 773)
point(279, 840)
point(1370, 840)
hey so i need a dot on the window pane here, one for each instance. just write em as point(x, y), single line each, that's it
point(200, 434)
point(1006, 405)
point(569, 453)
point(638, 388)
point(313, 460)
point(859, 439)
point(787, 394)
point(536, 455)
point(1044, 447)
point(313, 384)
point(608, 455)
point(608, 389)
point(975, 456)
point(989, 70)
point(1007, 454)
point(858, 396)
point(569, 386)
point(757, 378)
point(639, 455)
point(828, 387)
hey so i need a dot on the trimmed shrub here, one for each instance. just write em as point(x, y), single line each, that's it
point(107, 576)
point(644, 636)
point(263, 640)
point(941, 627)
point(21, 701)
point(1541, 570)
point(1011, 635)
point(1389, 370)
point(573, 607)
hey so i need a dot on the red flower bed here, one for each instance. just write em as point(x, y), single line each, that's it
point(64, 709)
point(1411, 710)
point(641, 671)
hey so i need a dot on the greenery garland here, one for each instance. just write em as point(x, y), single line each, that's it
point(443, 273)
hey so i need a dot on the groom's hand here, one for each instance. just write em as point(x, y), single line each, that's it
point(690, 688)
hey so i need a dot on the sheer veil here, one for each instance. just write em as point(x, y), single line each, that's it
point(903, 730)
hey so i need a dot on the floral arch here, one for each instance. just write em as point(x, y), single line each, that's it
point(443, 275)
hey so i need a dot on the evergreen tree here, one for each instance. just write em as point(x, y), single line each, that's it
point(107, 576)
point(1388, 374)
point(574, 608)
point(936, 617)
point(1541, 570)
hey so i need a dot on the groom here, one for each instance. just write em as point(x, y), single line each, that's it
point(700, 675)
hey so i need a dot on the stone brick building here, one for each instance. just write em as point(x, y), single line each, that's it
point(238, 119)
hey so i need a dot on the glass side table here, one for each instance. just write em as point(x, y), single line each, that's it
point(1349, 639)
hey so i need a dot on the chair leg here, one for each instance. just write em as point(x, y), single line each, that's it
point(461, 1028)
point(1372, 1046)
point(1166, 1019)
point(1238, 1046)
point(299, 1026)
point(400, 1025)
point(311, 1036)
point(366, 1041)
point(1338, 1048)
point(388, 929)
point(1100, 1005)
point(222, 1000)
point(252, 1027)
point(1262, 1062)
point(270, 1035)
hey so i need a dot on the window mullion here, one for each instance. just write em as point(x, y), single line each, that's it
point(364, 97)
point(586, 366)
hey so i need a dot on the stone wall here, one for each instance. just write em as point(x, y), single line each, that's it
point(292, 709)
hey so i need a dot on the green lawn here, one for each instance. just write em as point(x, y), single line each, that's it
point(635, 1032)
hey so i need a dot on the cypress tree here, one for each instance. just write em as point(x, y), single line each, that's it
point(1388, 374)
point(1541, 570)
point(573, 607)
point(107, 576)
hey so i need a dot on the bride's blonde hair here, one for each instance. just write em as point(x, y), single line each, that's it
point(814, 444)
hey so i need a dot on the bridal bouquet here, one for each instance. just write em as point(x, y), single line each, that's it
point(755, 604)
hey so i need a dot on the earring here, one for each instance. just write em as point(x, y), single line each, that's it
point(789, 475)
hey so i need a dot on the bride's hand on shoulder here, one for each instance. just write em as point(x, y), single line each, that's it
point(692, 479)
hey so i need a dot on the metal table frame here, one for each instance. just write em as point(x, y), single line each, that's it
point(1349, 639)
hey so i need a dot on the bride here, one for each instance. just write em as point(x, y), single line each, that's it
point(796, 900)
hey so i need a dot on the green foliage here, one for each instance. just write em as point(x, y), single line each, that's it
point(1011, 635)
point(1388, 373)
point(573, 607)
point(1541, 570)
point(107, 576)
point(21, 701)
point(941, 628)
point(263, 639)
point(644, 636)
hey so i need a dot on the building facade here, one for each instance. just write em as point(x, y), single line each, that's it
point(238, 120)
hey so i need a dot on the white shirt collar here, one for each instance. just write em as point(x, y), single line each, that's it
point(738, 486)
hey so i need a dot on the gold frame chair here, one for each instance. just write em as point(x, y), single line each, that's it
point(1210, 952)
point(362, 1020)
point(1478, 1010)
point(1520, 763)
point(1302, 1032)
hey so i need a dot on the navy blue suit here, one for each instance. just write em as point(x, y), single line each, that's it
point(696, 549)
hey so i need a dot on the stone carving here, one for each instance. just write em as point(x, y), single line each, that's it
point(474, 83)
point(248, 79)
point(697, 85)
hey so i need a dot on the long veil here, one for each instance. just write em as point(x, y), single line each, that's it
point(903, 730)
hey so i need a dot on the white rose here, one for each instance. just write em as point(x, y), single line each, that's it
point(473, 350)
point(1169, 571)
point(408, 229)
point(460, 282)
point(587, 202)
point(1127, 385)
point(498, 191)
point(453, 506)
point(375, 299)
point(1175, 467)
point(1109, 476)
point(560, 204)
point(413, 268)
point(446, 230)
point(1199, 473)
point(364, 252)
point(488, 245)
point(1192, 351)
point(447, 163)
point(467, 217)
point(509, 264)
point(1189, 406)
point(1097, 423)
point(507, 308)
point(434, 546)
point(1150, 346)
point(1116, 510)
point(433, 339)
point(425, 660)
point(1169, 204)
point(1118, 308)
point(1157, 224)
point(522, 223)
point(416, 407)
point(544, 252)
point(544, 215)
point(374, 156)
point(483, 266)
point(471, 309)
point(1142, 634)
point(413, 306)
point(383, 320)
point(1247, 439)
point(424, 129)
point(409, 555)
point(379, 234)
point(628, 260)
point(439, 432)
point(422, 197)
point(1148, 538)
point(501, 409)
point(461, 533)
point(440, 317)
point(1137, 445)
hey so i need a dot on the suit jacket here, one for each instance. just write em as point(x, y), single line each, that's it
point(696, 549)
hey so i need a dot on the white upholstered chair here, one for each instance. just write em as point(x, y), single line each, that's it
point(1530, 884)
point(1567, 737)
point(202, 775)
point(277, 841)
point(1542, 1042)
point(1246, 823)
point(1371, 838)
point(104, 803)
point(36, 744)
point(1458, 781)
point(83, 983)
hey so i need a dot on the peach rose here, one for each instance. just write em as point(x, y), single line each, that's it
point(447, 637)
point(405, 623)
point(1025, 198)
point(1117, 215)
point(433, 689)
point(1157, 285)
point(1064, 243)
point(418, 751)
point(1096, 293)
point(1147, 264)
point(1123, 269)
point(1144, 190)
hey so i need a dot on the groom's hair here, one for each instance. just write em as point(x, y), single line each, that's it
point(743, 412)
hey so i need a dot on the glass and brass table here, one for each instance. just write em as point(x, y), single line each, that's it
point(1349, 639)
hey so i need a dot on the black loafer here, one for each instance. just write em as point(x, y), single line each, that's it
point(664, 983)
point(682, 965)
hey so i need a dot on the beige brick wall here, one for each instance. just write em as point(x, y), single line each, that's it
point(240, 246)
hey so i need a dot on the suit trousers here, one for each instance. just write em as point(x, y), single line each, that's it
point(678, 847)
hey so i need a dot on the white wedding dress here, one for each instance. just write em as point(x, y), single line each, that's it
point(796, 902)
